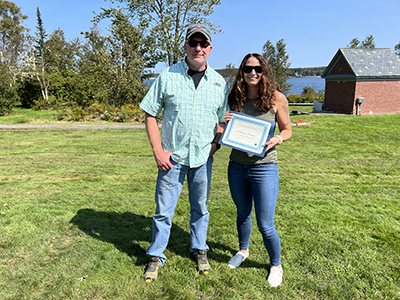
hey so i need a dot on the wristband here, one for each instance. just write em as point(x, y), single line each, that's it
point(280, 139)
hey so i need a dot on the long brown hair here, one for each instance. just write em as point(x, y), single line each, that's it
point(266, 88)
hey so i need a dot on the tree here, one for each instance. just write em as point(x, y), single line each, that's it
point(94, 67)
point(354, 43)
point(61, 54)
point(126, 52)
point(41, 54)
point(278, 59)
point(8, 93)
point(369, 42)
point(12, 33)
point(230, 74)
point(12, 43)
point(62, 69)
point(50, 67)
point(308, 94)
point(397, 49)
point(165, 23)
point(53, 62)
point(118, 61)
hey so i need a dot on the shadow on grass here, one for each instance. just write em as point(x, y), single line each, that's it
point(126, 231)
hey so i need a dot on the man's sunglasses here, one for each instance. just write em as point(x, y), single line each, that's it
point(203, 44)
point(248, 69)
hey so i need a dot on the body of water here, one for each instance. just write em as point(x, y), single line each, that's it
point(317, 83)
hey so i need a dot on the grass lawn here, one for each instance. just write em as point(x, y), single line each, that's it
point(22, 116)
point(76, 208)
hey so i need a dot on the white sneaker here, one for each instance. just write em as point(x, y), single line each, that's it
point(237, 260)
point(275, 276)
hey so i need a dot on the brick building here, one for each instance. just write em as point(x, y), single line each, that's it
point(363, 81)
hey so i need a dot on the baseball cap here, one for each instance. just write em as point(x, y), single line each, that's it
point(198, 28)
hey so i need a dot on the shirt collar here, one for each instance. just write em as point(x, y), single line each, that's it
point(186, 67)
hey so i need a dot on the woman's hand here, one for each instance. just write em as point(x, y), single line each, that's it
point(228, 116)
point(272, 142)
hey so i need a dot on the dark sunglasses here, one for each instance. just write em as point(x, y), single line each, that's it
point(248, 69)
point(203, 44)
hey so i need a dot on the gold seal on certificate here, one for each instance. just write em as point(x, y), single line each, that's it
point(247, 133)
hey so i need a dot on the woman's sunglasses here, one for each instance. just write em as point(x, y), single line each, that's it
point(248, 69)
point(203, 44)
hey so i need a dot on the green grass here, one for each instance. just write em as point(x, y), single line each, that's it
point(23, 116)
point(76, 208)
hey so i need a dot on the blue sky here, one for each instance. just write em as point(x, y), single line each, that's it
point(312, 29)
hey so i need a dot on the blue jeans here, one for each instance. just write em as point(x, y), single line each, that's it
point(168, 189)
point(261, 183)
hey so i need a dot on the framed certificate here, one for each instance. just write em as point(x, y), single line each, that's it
point(247, 133)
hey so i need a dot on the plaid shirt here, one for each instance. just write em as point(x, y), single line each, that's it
point(191, 116)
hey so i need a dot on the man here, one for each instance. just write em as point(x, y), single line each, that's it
point(194, 99)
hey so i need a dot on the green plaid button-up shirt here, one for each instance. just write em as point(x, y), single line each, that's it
point(191, 116)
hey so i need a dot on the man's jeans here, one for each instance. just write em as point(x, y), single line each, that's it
point(168, 189)
point(261, 183)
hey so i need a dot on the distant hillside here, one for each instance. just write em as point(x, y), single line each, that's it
point(314, 71)
point(293, 72)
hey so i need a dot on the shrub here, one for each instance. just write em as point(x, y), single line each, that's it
point(308, 94)
point(105, 112)
point(110, 113)
point(42, 104)
point(8, 93)
point(29, 92)
point(294, 98)
point(320, 95)
point(74, 113)
point(6, 106)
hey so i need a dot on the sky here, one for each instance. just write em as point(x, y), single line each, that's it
point(313, 30)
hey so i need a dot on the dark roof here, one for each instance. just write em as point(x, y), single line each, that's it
point(368, 63)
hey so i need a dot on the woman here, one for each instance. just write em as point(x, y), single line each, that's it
point(256, 93)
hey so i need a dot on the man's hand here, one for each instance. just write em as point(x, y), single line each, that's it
point(213, 149)
point(162, 157)
point(163, 160)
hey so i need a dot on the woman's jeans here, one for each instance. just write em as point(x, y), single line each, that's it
point(261, 183)
point(168, 189)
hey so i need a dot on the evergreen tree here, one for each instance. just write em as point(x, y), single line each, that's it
point(369, 42)
point(397, 49)
point(62, 70)
point(354, 43)
point(94, 67)
point(278, 59)
point(41, 54)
